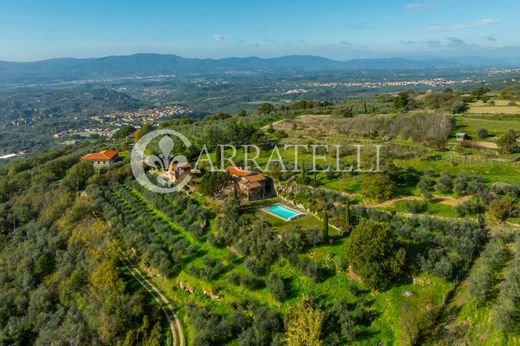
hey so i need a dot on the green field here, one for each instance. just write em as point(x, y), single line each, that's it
point(500, 107)
point(496, 125)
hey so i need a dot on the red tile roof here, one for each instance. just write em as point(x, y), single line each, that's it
point(237, 172)
point(103, 155)
point(253, 185)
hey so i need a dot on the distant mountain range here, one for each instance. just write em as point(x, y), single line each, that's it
point(141, 65)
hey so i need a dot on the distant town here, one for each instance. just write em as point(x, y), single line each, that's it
point(109, 123)
point(434, 82)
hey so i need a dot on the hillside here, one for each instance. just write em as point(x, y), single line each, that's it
point(373, 258)
point(142, 65)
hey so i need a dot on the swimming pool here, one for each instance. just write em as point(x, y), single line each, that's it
point(283, 212)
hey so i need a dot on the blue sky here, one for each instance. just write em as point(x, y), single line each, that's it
point(38, 29)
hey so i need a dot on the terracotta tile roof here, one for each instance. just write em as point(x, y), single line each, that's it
point(255, 178)
point(237, 172)
point(253, 185)
point(184, 164)
point(103, 155)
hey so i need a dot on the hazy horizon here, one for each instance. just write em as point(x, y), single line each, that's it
point(418, 57)
point(339, 30)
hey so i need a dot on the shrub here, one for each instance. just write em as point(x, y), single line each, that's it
point(416, 207)
point(460, 184)
point(276, 286)
point(425, 185)
point(458, 107)
point(444, 183)
point(482, 133)
point(467, 208)
point(500, 208)
point(508, 143)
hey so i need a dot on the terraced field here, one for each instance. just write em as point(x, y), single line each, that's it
point(207, 270)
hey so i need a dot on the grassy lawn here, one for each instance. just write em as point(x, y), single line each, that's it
point(437, 209)
point(428, 297)
point(454, 163)
point(496, 126)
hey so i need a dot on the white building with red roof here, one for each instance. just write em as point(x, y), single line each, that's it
point(104, 158)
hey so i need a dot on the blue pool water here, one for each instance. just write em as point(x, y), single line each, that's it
point(283, 212)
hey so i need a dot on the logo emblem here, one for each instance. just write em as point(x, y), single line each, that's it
point(162, 172)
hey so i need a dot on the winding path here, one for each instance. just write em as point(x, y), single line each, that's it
point(166, 307)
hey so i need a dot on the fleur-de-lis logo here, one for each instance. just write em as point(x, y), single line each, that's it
point(163, 165)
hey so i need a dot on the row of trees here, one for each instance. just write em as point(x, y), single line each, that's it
point(265, 328)
point(506, 308)
point(483, 276)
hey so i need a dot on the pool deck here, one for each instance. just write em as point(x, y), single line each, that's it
point(300, 213)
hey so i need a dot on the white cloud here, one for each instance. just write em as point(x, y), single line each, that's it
point(220, 37)
point(461, 26)
point(269, 39)
point(414, 6)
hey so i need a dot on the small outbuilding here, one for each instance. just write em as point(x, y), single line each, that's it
point(461, 136)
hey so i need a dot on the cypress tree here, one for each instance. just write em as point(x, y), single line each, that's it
point(235, 190)
point(218, 155)
point(325, 225)
point(347, 215)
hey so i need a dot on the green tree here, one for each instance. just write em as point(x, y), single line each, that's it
point(265, 108)
point(508, 143)
point(124, 131)
point(404, 101)
point(374, 254)
point(500, 208)
point(347, 215)
point(444, 183)
point(146, 128)
point(480, 91)
point(377, 186)
point(482, 133)
point(241, 113)
point(77, 176)
point(213, 182)
point(345, 111)
point(425, 185)
point(460, 184)
point(304, 322)
point(325, 225)
point(458, 107)
point(276, 286)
